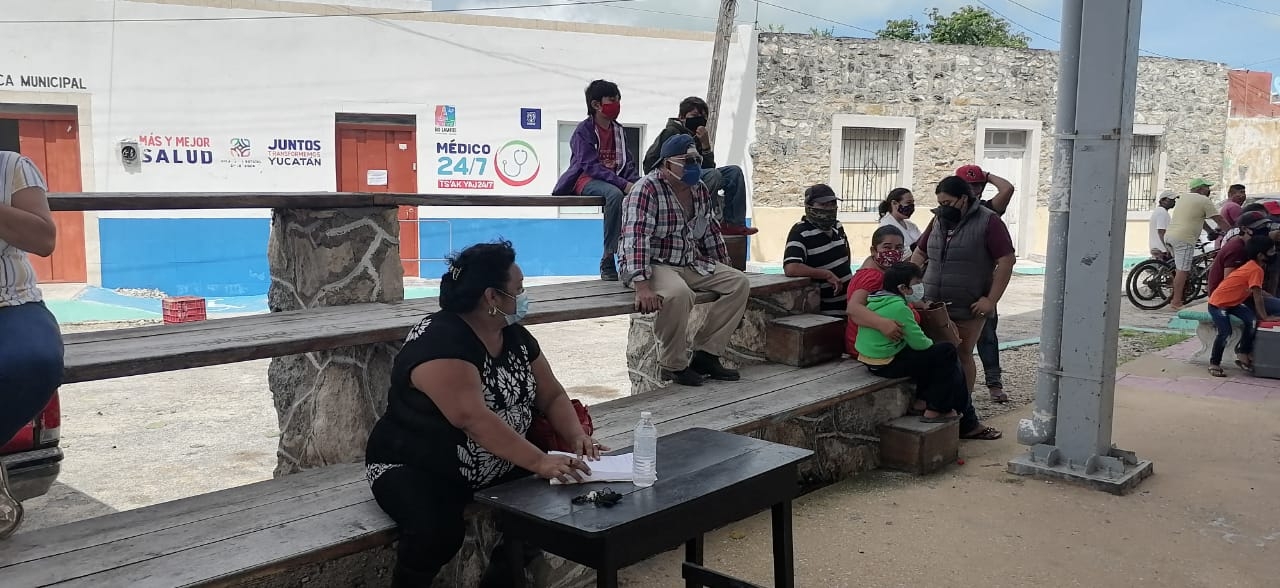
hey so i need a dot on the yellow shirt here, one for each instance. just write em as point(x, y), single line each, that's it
point(17, 277)
point(1188, 215)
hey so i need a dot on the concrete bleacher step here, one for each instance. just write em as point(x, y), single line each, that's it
point(911, 445)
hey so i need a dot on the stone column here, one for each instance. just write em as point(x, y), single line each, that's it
point(747, 346)
point(328, 401)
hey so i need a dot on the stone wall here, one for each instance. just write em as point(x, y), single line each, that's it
point(805, 80)
point(1253, 154)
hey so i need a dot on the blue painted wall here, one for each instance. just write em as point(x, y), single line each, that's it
point(216, 257)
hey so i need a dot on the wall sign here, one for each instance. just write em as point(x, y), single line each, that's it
point(304, 152)
point(531, 118)
point(176, 149)
point(376, 177)
point(446, 119)
point(517, 163)
point(463, 165)
point(50, 82)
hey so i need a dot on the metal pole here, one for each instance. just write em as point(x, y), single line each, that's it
point(1103, 140)
point(1039, 429)
point(719, 62)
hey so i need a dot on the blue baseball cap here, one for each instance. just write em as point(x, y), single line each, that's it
point(676, 145)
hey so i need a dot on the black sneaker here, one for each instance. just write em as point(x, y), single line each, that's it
point(684, 377)
point(710, 366)
point(608, 269)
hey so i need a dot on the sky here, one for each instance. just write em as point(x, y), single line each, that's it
point(1223, 31)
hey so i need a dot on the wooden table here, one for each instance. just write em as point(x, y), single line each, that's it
point(706, 479)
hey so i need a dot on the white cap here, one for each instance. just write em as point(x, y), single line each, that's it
point(1170, 194)
point(644, 414)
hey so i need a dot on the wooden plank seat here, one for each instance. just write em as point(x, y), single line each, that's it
point(66, 201)
point(116, 353)
point(1206, 332)
point(227, 537)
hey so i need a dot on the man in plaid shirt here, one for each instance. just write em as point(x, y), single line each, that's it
point(670, 246)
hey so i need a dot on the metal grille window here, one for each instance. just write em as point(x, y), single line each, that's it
point(1144, 163)
point(870, 166)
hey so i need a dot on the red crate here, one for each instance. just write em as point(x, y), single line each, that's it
point(183, 309)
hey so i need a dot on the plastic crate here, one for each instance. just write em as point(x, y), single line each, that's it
point(183, 309)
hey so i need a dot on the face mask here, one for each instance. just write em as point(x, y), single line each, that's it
point(692, 123)
point(906, 210)
point(691, 175)
point(917, 293)
point(949, 214)
point(823, 218)
point(611, 110)
point(888, 258)
point(522, 308)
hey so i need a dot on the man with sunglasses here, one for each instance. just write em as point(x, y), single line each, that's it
point(671, 246)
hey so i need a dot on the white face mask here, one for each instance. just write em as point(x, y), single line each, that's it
point(917, 293)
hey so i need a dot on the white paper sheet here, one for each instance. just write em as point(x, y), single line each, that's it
point(610, 468)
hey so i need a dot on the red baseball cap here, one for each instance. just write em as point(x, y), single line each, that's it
point(972, 174)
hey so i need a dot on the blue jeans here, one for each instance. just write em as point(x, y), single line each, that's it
point(30, 364)
point(1222, 321)
point(989, 351)
point(612, 212)
point(729, 178)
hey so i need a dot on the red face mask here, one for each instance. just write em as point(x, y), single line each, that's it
point(888, 258)
point(611, 110)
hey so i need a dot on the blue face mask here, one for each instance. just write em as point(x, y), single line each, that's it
point(692, 172)
point(522, 308)
point(917, 293)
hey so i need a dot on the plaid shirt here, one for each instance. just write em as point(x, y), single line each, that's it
point(654, 230)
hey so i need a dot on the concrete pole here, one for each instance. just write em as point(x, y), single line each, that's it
point(719, 62)
point(1103, 139)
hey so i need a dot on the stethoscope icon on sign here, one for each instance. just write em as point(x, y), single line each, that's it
point(519, 157)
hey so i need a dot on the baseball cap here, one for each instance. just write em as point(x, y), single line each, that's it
point(819, 194)
point(1168, 195)
point(676, 145)
point(1253, 220)
point(1200, 183)
point(971, 173)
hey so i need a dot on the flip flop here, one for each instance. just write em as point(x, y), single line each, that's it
point(998, 395)
point(1248, 367)
point(984, 434)
point(1216, 371)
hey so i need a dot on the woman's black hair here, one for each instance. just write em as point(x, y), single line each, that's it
point(895, 195)
point(1258, 245)
point(474, 270)
point(901, 274)
point(878, 237)
point(955, 186)
point(598, 90)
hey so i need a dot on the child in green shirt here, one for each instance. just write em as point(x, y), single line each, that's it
point(933, 367)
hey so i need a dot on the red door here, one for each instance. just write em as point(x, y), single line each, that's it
point(54, 146)
point(389, 152)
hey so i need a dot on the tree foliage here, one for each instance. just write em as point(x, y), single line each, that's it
point(970, 25)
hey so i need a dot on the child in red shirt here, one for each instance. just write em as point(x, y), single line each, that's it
point(1241, 286)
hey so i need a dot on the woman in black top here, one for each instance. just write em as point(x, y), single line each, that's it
point(464, 390)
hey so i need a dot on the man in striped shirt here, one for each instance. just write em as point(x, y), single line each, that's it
point(670, 247)
point(817, 248)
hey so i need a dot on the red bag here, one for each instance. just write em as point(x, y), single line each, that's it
point(544, 436)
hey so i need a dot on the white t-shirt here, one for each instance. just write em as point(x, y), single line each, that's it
point(910, 232)
point(1159, 221)
point(17, 277)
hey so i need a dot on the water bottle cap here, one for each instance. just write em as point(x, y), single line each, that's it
point(646, 414)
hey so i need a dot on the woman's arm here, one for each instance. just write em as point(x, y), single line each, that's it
point(554, 402)
point(856, 309)
point(27, 223)
point(454, 386)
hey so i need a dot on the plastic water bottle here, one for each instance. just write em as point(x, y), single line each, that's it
point(645, 448)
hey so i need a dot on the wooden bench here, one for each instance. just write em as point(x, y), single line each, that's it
point(297, 522)
point(1206, 332)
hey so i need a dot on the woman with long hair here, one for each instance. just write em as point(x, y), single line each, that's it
point(896, 210)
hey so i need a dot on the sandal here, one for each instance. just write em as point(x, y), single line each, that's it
point(1248, 367)
point(984, 434)
point(998, 396)
point(1216, 371)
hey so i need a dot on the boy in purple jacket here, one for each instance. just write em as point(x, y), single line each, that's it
point(599, 165)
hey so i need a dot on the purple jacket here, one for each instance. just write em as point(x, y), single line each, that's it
point(584, 158)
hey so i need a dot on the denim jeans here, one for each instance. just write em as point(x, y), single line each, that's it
point(612, 212)
point(938, 378)
point(30, 364)
point(1222, 321)
point(729, 179)
point(989, 351)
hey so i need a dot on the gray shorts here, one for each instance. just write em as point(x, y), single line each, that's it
point(1184, 254)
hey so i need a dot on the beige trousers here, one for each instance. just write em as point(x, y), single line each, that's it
point(676, 286)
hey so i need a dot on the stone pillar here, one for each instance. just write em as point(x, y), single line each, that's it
point(747, 346)
point(328, 401)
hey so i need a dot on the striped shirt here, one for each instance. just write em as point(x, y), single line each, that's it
point(656, 230)
point(819, 249)
point(17, 277)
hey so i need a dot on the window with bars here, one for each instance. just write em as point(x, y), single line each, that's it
point(1144, 167)
point(870, 166)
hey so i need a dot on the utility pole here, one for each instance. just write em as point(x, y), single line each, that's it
point(719, 61)
point(1070, 429)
